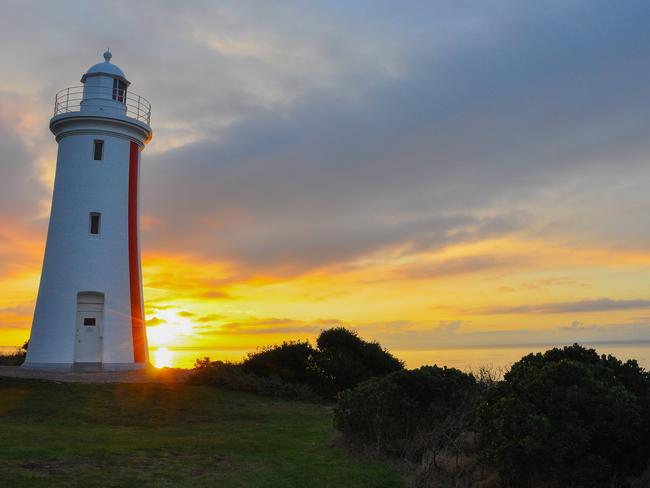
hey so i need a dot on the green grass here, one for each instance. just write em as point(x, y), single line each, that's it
point(176, 435)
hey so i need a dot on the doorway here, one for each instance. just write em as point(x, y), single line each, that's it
point(89, 329)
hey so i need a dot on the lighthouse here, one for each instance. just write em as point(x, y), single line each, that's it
point(89, 311)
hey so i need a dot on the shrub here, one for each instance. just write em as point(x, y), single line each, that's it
point(341, 361)
point(291, 362)
point(202, 363)
point(233, 377)
point(408, 412)
point(223, 374)
point(15, 359)
point(567, 417)
point(344, 360)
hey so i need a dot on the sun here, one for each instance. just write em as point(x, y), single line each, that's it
point(171, 328)
point(162, 357)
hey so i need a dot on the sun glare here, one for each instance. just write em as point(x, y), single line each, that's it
point(162, 357)
point(170, 328)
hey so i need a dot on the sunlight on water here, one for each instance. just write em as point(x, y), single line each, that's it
point(472, 358)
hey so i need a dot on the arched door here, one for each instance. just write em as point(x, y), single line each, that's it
point(90, 324)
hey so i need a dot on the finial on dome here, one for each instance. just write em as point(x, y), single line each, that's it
point(108, 55)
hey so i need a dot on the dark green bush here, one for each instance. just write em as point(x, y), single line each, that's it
point(233, 377)
point(291, 362)
point(408, 412)
point(341, 361)
point(568, 417)
point(15, 359)
point(345, 360)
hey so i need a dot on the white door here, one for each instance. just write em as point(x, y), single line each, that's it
point(90, 321)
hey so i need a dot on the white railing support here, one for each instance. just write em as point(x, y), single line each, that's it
point(70, 99)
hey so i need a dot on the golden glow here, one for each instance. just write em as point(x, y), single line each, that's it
point(163, 357)
point(452, 298)
point(170, 328)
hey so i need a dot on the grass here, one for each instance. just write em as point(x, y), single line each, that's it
point(110, 435)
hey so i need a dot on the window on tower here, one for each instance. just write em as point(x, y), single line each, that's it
point(99, 150)
point(95, 221)
point(119, 90)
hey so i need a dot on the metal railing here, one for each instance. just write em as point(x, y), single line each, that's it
point(70, 100)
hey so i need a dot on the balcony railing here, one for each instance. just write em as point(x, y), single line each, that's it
point(70, 100)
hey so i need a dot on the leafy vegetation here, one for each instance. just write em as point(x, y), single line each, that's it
point(233, 377)
point(568, 417)
point(409, 412)
point(290, 362)
point(345, 360)
point(15, 359)
point(296, 370)
point(170, 435)
point(564, 418)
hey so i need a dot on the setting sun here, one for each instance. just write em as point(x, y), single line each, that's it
point(168, 327)
point(162, 357)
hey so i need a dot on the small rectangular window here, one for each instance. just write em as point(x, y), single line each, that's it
point(119, 90)
point(95, 219)
point(99, 150)
point(90, 321)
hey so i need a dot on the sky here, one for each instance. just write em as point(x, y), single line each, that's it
point(432, 174)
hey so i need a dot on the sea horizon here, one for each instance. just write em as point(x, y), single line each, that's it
point(466, 358)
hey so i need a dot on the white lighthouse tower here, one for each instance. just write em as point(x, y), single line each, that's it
point(89, 311)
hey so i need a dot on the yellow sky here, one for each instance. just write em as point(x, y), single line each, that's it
point(440, 299)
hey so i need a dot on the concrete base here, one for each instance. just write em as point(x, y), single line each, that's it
point(146, 375)
point(48, 366)
point(93, 367)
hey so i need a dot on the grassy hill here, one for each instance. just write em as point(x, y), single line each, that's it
point(109, 435)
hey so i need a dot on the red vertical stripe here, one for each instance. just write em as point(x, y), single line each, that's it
point(137, 318)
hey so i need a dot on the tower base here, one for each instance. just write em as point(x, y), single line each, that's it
point(90, 367)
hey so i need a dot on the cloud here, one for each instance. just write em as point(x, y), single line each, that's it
point(212, 317)
point(269, 325)
point(587, 306)
point(21, 190)
point(184, 278)
point(185, 314)
point(576, 325)
point(22, 226)
point(155, 321)
point(216, 295)
point(506, 128)
point(449, 326)
point(301, 148)
point(425, 336)
point(557, 281)
point(461, 266)
point(16, 317)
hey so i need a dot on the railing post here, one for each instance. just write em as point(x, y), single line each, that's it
point(141, 111)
